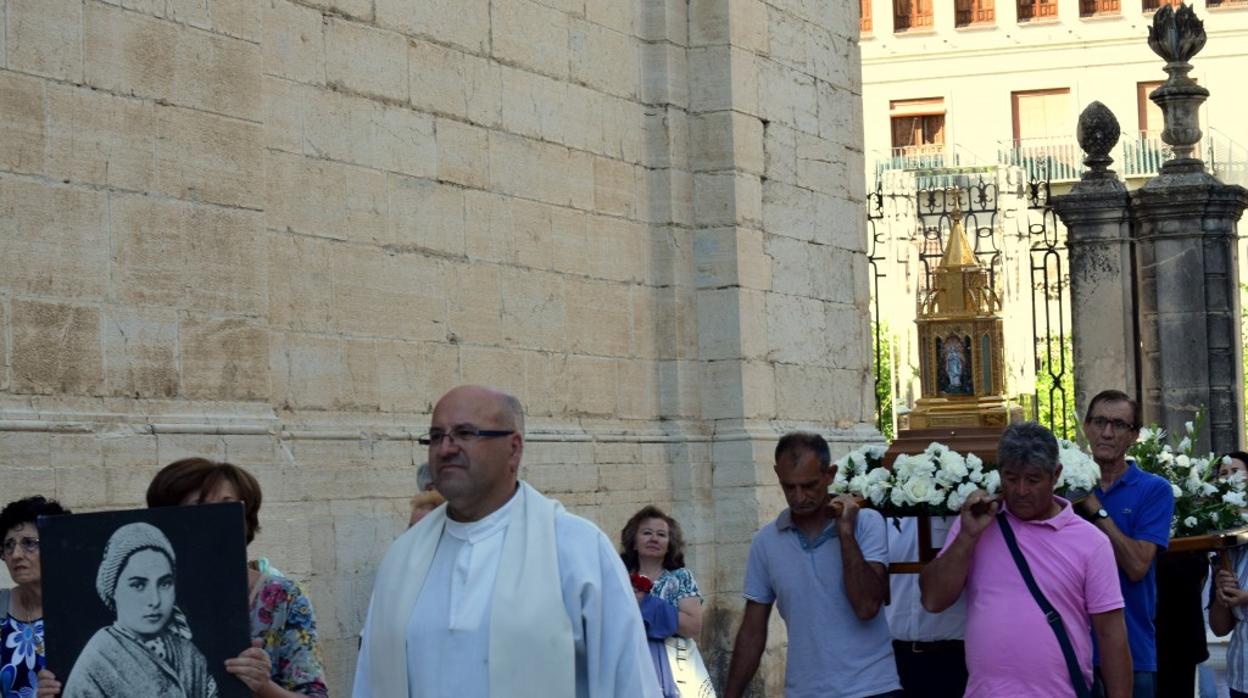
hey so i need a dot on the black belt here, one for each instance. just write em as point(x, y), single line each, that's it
point(938, 646)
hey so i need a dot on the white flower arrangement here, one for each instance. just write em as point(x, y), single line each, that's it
point(938, 480)
point(1203, 502)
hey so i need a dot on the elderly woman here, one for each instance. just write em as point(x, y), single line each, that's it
point(148, 650)
point(21, 631)
point(282, 620)
point(671, 604)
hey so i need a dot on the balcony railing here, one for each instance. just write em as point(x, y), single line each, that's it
point(918, 157)
point(1036, 10)
point(1140, 156)
point(1057, 159)
point(1060, 159)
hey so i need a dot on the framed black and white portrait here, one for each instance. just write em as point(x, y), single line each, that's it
point(148, 602)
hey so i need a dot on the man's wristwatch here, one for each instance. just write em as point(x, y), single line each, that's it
point(1098, 515)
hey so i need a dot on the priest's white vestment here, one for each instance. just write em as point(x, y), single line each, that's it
point(447, 633)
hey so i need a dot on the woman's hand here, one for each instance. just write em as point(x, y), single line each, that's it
point(49, 687)
point(252, 667)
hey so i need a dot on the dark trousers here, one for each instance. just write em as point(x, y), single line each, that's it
point(1175, 680)
point(1238, 694)
point(931, 669)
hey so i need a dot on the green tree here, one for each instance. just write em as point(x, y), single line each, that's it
point(1055, 386)
point(882, 344)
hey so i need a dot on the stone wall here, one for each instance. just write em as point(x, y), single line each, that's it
point(274, 231)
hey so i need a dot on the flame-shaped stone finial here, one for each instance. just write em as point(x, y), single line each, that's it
point(1176, 35)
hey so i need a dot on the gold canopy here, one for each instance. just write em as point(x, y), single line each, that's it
point(960, 343)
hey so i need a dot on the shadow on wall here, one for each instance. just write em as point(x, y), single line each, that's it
point(719, 630)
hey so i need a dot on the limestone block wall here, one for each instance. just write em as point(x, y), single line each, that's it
point(274, 231)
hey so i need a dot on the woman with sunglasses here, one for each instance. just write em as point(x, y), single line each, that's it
point(21, 631)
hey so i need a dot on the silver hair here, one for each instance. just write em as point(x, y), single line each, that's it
point(1028, 444)
point(512, 406)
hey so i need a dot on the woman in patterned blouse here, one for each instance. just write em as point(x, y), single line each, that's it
point(671, 603)
point(21, 631)
point(282, 620)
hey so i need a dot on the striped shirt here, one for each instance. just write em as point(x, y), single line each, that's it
point(1237, 651)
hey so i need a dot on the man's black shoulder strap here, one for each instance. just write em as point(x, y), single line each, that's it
point(1051, 616)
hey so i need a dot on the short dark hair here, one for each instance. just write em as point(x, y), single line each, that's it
point(1114, 396)
point(675, 557)
point(1028, 443)
point(180, 478)
point(796, 441)
point(28, 511)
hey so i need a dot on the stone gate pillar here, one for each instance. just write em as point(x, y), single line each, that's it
point(1190, 348)
point(1097, 216)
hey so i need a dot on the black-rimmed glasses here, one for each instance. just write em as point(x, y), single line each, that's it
point(1119, 426)
point(461, 435)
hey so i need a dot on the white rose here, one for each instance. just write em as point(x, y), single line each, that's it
point(992, 481)
point(1178, 491)
point(973, 462)
point(1145, 434)
point(898, 496)
point(1190, 522)
point(918, 489)
point(858, 484)
point(1213, 516)
point(879, 475)
point(977, 476)
point(1208, 488)
point(1194, 485)
point(1189, 427)
point(1185, 444)
point(876, 492)
point(877, 451)
point(1183, 461)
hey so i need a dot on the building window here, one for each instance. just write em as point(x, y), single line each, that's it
point(1096, 8)
point(1029, 10)
point(1214, 4)
point(912, 14)
point(864, 18)
point(1042, 114)
point(1044, 135)
point(1151, 5)
point(1151, 122)
point(918, 127)
point(968, 12)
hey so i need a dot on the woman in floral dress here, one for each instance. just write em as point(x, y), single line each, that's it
point(671, 603)
point(282, 620)
point(21, 631)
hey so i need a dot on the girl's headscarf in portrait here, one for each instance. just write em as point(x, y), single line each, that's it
point(125, 542)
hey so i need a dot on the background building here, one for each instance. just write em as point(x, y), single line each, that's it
point(275, 231)
point(993, 90)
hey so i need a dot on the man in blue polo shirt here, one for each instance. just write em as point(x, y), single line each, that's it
point(823, 566)
point(1134, 509)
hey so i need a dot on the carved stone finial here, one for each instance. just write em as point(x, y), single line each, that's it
point(1176, 35)
point(1098, 133)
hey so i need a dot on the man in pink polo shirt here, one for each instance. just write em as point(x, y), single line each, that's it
point(1010, 648)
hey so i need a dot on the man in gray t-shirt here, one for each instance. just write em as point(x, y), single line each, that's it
point(824, 564)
